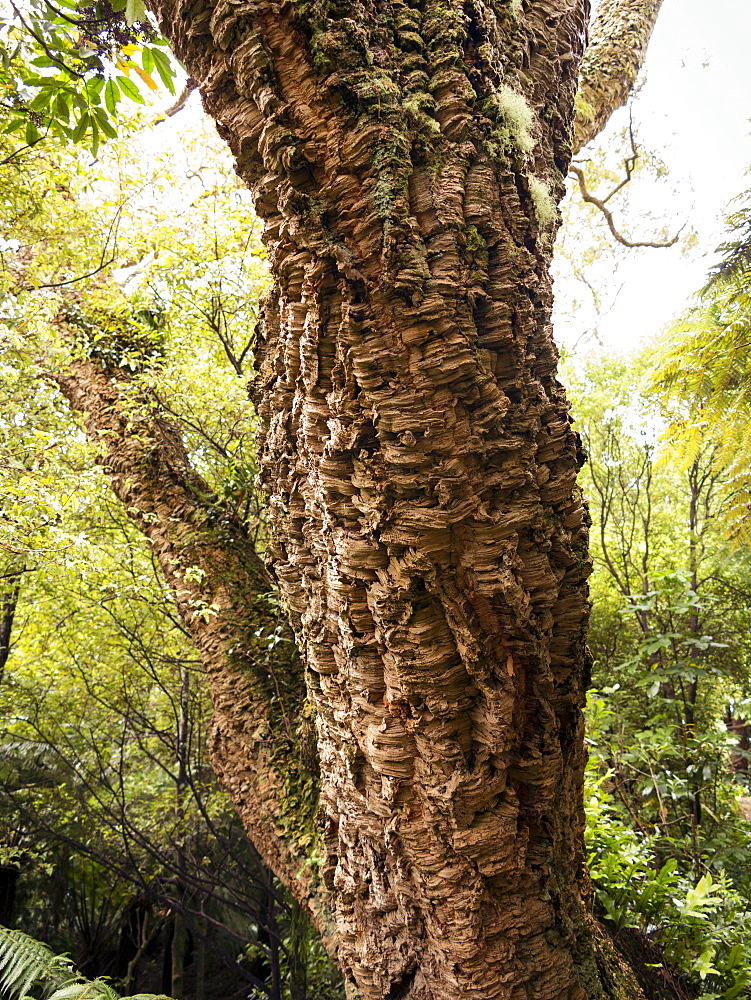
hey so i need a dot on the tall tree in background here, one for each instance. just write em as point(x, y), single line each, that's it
point(428, 540)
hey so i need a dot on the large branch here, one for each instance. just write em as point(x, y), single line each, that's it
point(221, 590)
point(618, 40)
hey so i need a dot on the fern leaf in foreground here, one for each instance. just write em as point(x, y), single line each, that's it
point(27, 965)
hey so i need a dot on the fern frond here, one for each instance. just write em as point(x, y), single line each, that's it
point(27, 964)
point(94, 989)
point(24, 762)
point(736, 251)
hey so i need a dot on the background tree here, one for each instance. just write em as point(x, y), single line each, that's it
point(703, 370)
point(99, 653)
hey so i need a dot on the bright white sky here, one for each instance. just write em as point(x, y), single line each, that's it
point(693, 111)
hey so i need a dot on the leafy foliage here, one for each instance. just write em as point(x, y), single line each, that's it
point(703, 372)
point(65, 68)
point(735, 260)
point(703, 923)
point(114, 807)
point(668, 847)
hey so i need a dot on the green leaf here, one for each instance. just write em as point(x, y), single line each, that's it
point(703, 964)
point(62, 106)
point(164, 69)
point(81, 126)
point(94, 86)
point(60, 130)
point(147, 60)
point(32, 133)
point(130, 89)
point(735, 991)
point(733, 958)
point(111, 96)
point(41, 100)
point(14, 126)
point(134, 11)
point(94, 137)
point(105, 124)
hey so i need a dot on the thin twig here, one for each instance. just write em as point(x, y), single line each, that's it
point(15, 153)
point(38, 38)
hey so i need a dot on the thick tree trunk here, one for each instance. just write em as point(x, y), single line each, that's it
point(420, 463)
point(419, 459)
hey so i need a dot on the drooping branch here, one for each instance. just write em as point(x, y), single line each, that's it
point(618, 40)
point(179, 104)
point(222, 591)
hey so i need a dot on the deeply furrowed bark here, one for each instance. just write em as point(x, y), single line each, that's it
point(618, 41)
point(221, 589)
point(421, 465)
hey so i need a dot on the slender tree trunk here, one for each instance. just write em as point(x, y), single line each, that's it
point(200, 950)
point(221, 590)
point(267, 920)
point(10, 587)
point(9, 876)
point(298, 942)
point(179, 931)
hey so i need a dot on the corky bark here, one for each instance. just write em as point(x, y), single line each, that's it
point(221, 590)
point(618, 40)
point(420, 465)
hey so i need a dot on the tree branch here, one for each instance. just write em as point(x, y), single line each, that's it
point(601, 204)
point(190, 86)
point(618, 40)
point(221, 589)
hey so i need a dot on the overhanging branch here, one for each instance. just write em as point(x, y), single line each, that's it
point(600, 203)
point(618, 40)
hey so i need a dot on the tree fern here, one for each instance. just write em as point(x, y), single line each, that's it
point(703, 373)
point(29, 970)
point(735, 263)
